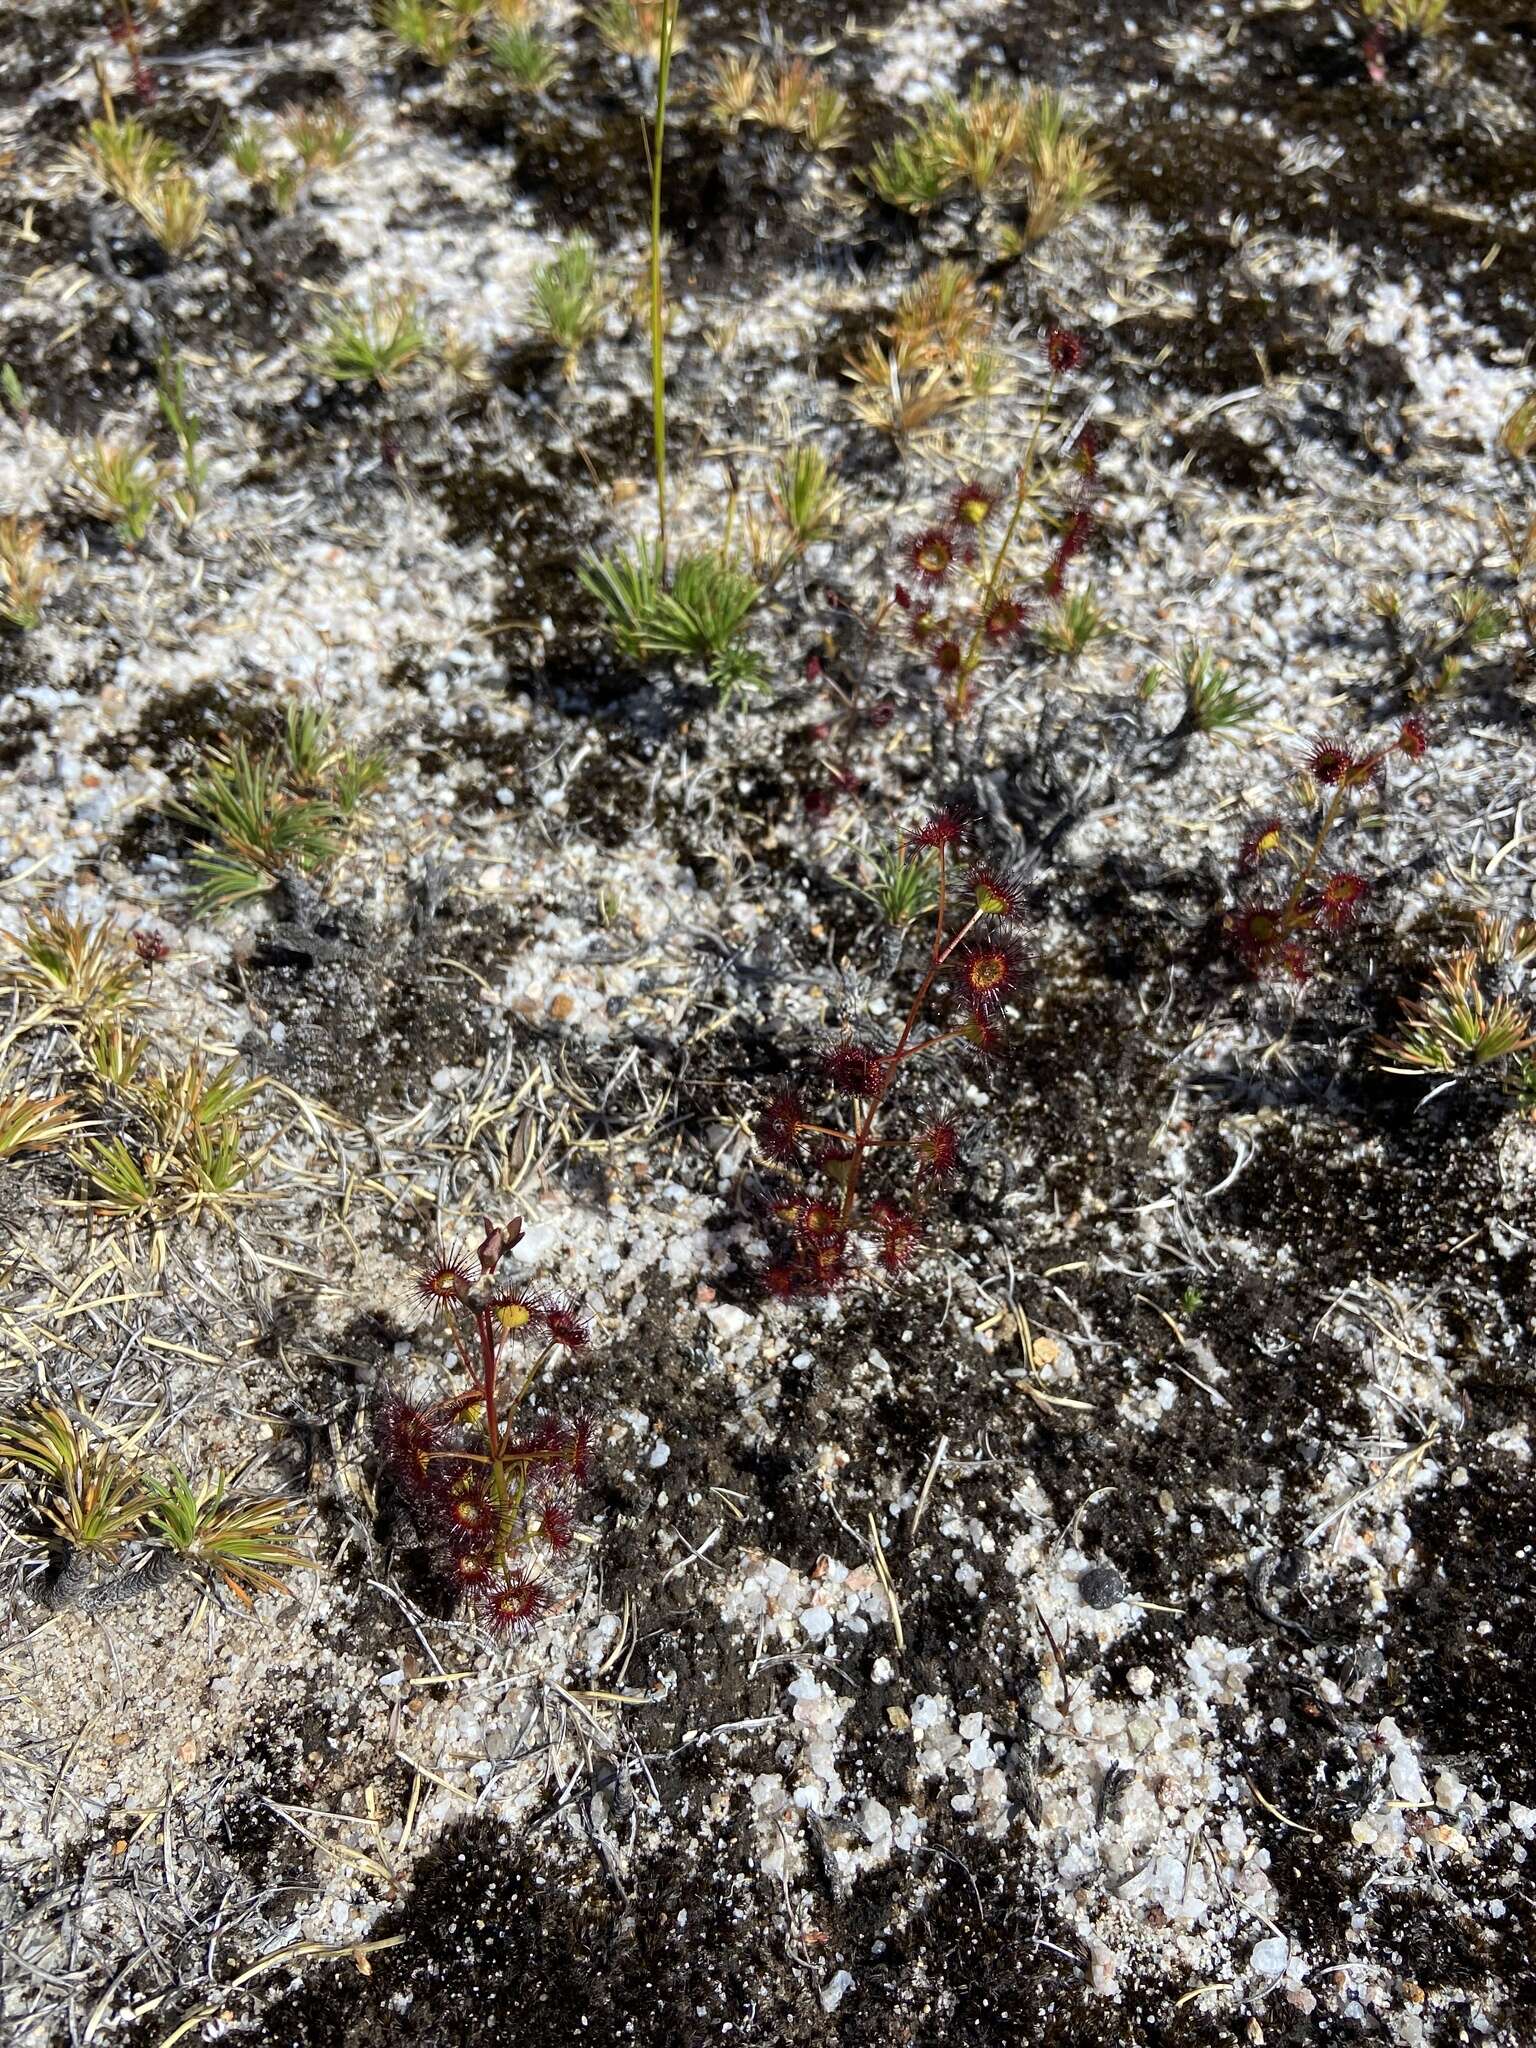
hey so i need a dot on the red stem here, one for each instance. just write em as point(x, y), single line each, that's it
point(864, 1140)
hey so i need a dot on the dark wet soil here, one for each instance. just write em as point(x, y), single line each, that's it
point(361, 1012)
point(174, 731)
point(959, 1941)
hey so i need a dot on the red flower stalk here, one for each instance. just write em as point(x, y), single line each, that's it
point(1068, 548)
point(151, 946)
point(836, 1227)
point(126, 31)
point(496, 1503)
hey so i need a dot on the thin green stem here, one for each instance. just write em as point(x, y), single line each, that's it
point(1000, 559)
point(927, 1045)
point(960, 936)
point(1305, 871)
point(864, 1139)
point(487, 1332)
point(528, 1379)
point(658, 366)
point(470, 1369)
point(1027, 466)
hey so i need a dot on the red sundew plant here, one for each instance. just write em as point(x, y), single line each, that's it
point(960, 597)
point(971, 600)
point(125, 31)
point(863, 1189)
point(495, 1496)
point(1307, 898)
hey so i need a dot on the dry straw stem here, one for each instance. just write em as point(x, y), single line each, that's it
point(666, 27)
point(357, 1952)
point(887, 1583)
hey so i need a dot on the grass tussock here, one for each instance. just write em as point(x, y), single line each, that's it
point(1013, 148)
point(293, 808)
